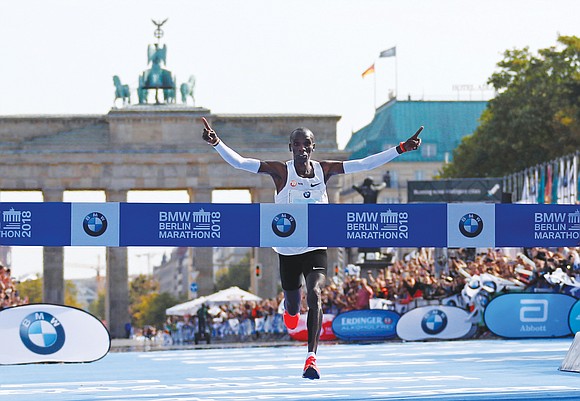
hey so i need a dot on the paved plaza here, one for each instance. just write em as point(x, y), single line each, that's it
point(453, 370)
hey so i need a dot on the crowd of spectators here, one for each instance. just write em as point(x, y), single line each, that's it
point(415, 277)
point(9, 295)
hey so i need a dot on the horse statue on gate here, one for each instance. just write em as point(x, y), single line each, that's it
point(121, 91)
point(169, 95)
point(187, 90)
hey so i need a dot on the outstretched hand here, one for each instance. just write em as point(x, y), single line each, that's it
point(413, 142)
point(209, 135)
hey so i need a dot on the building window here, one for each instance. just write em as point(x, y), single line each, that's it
point(419, 175)
point(428, 150)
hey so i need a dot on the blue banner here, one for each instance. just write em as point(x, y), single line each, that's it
point(537, 225)
point(365, 325)
point(300, 225)
point(35, 224)
point(529, 315)
point(189, 224)
point(377, 225)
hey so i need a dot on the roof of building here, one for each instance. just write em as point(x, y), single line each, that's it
point(445, 122)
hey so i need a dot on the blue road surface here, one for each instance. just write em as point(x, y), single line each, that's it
point(453, 370)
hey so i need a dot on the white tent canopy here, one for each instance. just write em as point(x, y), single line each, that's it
point(232, 295)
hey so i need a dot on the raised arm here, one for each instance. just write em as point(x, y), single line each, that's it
point(229, 155)
point(372, 161)
point(276, 169)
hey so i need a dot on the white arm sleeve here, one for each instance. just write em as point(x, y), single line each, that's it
point(235, 160)
point(370, 162)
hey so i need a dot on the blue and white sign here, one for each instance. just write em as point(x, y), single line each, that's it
point(365, 325)
point(193, 287)
point(529, 315)
point(470, 225)
point(537, 225)
point(370, 225)
point(189, 224)
point(430, 322)
point(39, 333)
point(95, 224)
point(283, 225)
point(34, 223)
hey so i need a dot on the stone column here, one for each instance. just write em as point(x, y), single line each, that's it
point(267, 285)
point(202, 258)
point(117, 298)
point(53, 261)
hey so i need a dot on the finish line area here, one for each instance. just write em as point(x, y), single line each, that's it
point(443, 370)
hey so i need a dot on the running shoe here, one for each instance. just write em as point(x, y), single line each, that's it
point(291, 321)
point(310, 370)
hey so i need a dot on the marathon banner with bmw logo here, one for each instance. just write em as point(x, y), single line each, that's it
point(530, 225)
point(470, 225)
point(95, 224)
point(284, 225)
point(376, 225)
point(34, 223)
point(478, 225)
point(40, 333)
point(190, 224)
point(435, 322)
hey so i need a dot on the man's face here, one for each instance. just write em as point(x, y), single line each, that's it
point(302, 145)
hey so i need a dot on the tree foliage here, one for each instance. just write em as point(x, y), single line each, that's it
point(147, 306)
point(32, 290)
point(236, 275)
point(534, 118)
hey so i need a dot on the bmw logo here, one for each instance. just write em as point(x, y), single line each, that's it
point(95, 224)
point(42, 333)
point(307, 194)
point(284, 225)
point(434, 322)
point(471, 225)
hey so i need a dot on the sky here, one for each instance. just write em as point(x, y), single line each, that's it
point(262, 56)
point(268, 56)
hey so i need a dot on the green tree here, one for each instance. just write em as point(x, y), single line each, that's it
point(147, 306)
point(534, 118)
point(236, 275)
point(97, 307)
point(31, 289)
point(71, 293)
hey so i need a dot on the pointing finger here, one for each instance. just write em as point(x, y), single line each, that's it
point(207, 126)
point(416, 136)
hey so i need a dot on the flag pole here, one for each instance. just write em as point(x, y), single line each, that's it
point(396, 79)
point(375, 88)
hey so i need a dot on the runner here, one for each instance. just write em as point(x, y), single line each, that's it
point(303, 180)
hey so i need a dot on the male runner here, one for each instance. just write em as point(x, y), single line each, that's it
point(302, 180)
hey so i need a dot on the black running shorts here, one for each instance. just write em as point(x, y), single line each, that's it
point(293, 266)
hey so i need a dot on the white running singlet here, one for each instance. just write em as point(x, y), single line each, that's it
point(301, 190)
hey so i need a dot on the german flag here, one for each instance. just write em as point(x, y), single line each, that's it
point(369, 71)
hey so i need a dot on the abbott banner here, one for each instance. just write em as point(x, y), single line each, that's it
point(529, 315)
point(39, 333)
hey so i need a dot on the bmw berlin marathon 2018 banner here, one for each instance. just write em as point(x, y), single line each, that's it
point(437, 225)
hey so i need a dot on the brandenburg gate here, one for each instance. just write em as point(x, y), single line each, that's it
point(149, 147)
